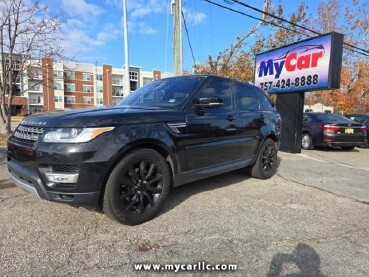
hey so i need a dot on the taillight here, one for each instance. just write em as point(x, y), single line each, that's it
point(362, 129)
point(329, 128)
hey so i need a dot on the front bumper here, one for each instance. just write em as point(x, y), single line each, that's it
point(27, 179)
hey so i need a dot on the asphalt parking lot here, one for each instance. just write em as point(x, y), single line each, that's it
point(311, 219)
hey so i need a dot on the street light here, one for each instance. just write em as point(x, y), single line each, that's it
point(126, 87)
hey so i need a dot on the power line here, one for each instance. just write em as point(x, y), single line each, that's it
point(296, 25)
point(188, 39)
point(256, 18)
point(366, 53)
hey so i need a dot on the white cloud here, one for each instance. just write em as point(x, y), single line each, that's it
point(141, 28)
point(109, 32)
point(115, 3)
point(142, 8)
point(80, 8)
point(74, 23)
point(193, 17)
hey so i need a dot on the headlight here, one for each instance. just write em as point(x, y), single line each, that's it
point(74, 135)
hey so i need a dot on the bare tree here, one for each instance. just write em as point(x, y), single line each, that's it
point(27, 31)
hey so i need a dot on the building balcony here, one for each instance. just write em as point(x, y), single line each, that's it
point(35, 102)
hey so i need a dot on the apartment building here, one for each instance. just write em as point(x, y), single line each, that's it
point(56, 86)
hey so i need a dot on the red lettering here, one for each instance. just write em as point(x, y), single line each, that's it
point(289, 66)
point(315, 58)
point(303, 62)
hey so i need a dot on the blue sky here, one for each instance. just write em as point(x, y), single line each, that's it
point(93, 30)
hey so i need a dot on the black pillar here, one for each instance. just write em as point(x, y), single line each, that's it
point(291, 108)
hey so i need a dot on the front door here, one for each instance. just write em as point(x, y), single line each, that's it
point(212, 132)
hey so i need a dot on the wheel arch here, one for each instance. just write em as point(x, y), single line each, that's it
point(155, 145)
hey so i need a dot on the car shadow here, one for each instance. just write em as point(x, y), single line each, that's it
point(304, 259)
point(181, 193)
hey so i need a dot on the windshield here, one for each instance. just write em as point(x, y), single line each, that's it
point(166, 93)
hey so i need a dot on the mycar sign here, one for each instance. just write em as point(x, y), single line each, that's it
point(312, 64)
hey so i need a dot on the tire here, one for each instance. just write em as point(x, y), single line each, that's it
point(347, 148)
point(137, 187)
point(266, 162)
point(307, 142)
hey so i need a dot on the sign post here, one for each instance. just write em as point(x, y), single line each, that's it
point(289, 71)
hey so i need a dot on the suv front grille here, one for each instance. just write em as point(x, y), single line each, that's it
point(28, 132)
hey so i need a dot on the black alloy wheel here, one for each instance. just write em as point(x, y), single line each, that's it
point(137, 187)
point(141, 187)
point(266, 163)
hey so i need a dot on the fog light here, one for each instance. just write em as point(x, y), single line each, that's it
point(63, 178)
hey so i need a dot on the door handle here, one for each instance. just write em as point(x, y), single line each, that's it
point(231, 117)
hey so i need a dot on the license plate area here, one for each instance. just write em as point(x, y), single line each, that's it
point(349, 130)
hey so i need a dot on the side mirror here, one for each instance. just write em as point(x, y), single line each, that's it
point(208, 102)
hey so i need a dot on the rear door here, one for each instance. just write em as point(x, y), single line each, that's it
point(251, 119)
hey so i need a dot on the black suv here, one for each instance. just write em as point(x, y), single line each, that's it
point(125, 159)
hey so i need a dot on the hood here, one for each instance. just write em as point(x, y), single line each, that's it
point(109, 116)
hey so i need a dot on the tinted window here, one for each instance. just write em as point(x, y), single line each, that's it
point(332, 118)
point(218, 88)
point(265, 103)
point(306, 119)
point(246, 98)
point(357, 119)
point(163, 93)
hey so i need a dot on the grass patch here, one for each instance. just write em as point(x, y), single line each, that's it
point(3, 139)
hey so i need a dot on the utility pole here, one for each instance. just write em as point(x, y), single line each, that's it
point(126, 82)
point(177, 22)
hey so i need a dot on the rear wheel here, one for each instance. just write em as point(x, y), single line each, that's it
point(307, 142)
point(348, 148)
point(137, 187)
point(266, 163)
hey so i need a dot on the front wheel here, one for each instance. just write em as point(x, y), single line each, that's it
point(137, 187)
point(266, 163)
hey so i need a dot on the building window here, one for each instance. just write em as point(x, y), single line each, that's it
point(16, 64)
point(58, 99)
point(69, 75)
point(34, 73)
point(87, 88)
point(58, 85)
point(116, 80)
point(99, 77)
point(147, 80)
point(86, 76)
point(100, 101)
point(133, 85)
point(35, 100)
point(116, 101)
point(70, 99)
point(133, 76)
point(70, 87)
point(87, 100)
point(117, 92)
point(34, 86)
point(58, 74)
point(99, 89)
